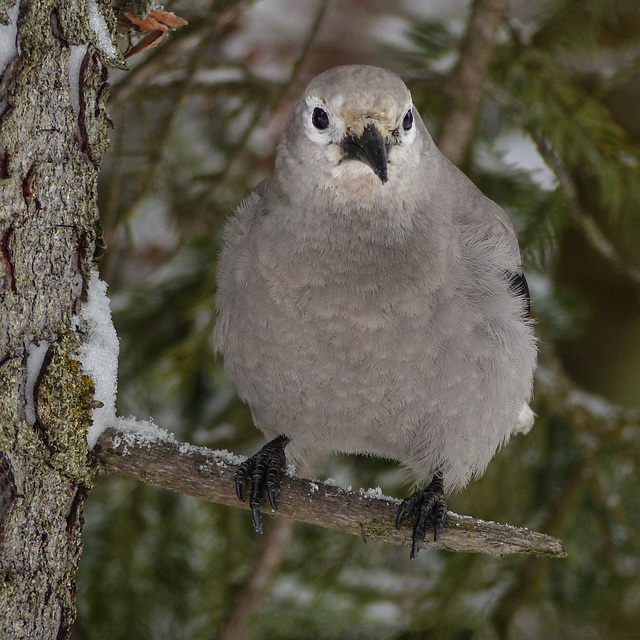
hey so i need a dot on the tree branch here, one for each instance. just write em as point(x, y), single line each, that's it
point(468, 78)
point(264, 568)
point(581, 217)
point(154, 456)
point(589, 227)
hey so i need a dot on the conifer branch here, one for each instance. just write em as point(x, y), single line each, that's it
point(583, 220)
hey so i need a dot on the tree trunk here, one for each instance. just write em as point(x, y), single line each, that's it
point(52, 137)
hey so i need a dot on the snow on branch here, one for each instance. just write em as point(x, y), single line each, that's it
point(145, 452)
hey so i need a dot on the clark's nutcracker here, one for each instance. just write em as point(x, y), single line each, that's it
point(371, 300)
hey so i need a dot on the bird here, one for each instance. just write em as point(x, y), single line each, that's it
point(371, 300)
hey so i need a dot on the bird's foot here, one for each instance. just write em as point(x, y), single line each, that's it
point(430, 508)
point(262, 471)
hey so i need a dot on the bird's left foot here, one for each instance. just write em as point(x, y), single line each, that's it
point(261, 472)
point(430, 508)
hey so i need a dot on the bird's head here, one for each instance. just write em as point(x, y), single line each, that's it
point(355, 128)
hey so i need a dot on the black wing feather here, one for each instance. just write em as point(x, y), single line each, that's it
point(518, 285)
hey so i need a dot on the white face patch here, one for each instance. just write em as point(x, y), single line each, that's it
point(407, 137)
point(336, 130)
point(346, 119)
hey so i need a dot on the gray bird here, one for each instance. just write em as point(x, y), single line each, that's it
point(371, 300)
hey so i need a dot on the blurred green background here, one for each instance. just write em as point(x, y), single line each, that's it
point(555, 143)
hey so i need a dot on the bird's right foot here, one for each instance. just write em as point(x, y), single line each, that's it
point(262, 471)
point(429, 506)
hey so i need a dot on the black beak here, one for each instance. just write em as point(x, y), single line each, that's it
point(369, 148)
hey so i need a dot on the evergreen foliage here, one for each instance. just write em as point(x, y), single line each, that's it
point(190, 141)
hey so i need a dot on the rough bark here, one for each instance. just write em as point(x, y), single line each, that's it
point(52, 137)
point(209, 475)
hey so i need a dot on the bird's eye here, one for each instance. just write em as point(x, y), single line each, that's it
point(407, 123)
point(320, 118)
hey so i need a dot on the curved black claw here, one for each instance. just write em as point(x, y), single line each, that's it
point(262, 471)
point(430, 508)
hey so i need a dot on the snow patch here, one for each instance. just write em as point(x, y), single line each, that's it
point(136, 432)
point(373, 493)
point(228, 457)
point(76, 56)
point(376, 494)
point(8, 34)
point(99, 26)
point(222, 455)
point(99, 356)
point(35, 358)
point(142, 432)
point(146, 433)
point(458, 515)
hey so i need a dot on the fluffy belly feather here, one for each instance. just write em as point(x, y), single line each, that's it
point(376, 378)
